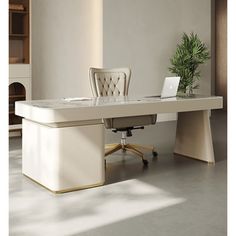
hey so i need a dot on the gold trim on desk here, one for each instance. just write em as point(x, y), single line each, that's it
point(68, 189)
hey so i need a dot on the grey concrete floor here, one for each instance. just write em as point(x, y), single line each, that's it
point(174, 196)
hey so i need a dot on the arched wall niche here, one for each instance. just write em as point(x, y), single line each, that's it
point(17, 92)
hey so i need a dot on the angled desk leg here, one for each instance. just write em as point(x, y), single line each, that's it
point(193, 136)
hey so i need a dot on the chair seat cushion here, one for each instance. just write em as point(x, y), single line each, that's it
point(130, 121)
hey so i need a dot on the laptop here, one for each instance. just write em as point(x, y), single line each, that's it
point(170, 88)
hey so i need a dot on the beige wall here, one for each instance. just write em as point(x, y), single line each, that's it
point(144, 34)
point(66, 41)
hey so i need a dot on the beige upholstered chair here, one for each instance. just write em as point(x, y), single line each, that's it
point(115, 82)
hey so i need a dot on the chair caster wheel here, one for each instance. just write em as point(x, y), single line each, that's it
point(145, 162)
point(154, 153)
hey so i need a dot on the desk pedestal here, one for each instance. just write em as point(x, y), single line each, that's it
point(63, 159)
point(193, 136)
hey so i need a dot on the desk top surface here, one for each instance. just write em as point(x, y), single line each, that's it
point(108, 101)
point(68, 109)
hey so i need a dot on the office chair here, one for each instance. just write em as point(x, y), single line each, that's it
point(115, 82)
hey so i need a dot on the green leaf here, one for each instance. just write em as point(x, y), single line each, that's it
point(189, 54)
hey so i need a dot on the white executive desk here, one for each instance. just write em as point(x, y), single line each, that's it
point(63, 141)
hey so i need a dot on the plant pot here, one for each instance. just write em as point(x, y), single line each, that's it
point(187, 92)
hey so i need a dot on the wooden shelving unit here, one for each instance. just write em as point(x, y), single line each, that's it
point(19, 33)
point(19, 59)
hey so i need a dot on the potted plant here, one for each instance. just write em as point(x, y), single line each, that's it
point(190, 53)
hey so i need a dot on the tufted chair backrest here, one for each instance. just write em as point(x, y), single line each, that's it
point(110, 82)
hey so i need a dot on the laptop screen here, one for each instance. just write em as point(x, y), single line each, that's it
point(170, 87)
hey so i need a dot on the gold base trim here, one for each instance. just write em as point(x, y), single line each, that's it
point(68, 189)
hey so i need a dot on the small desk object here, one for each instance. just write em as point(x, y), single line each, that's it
point(63, 140)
